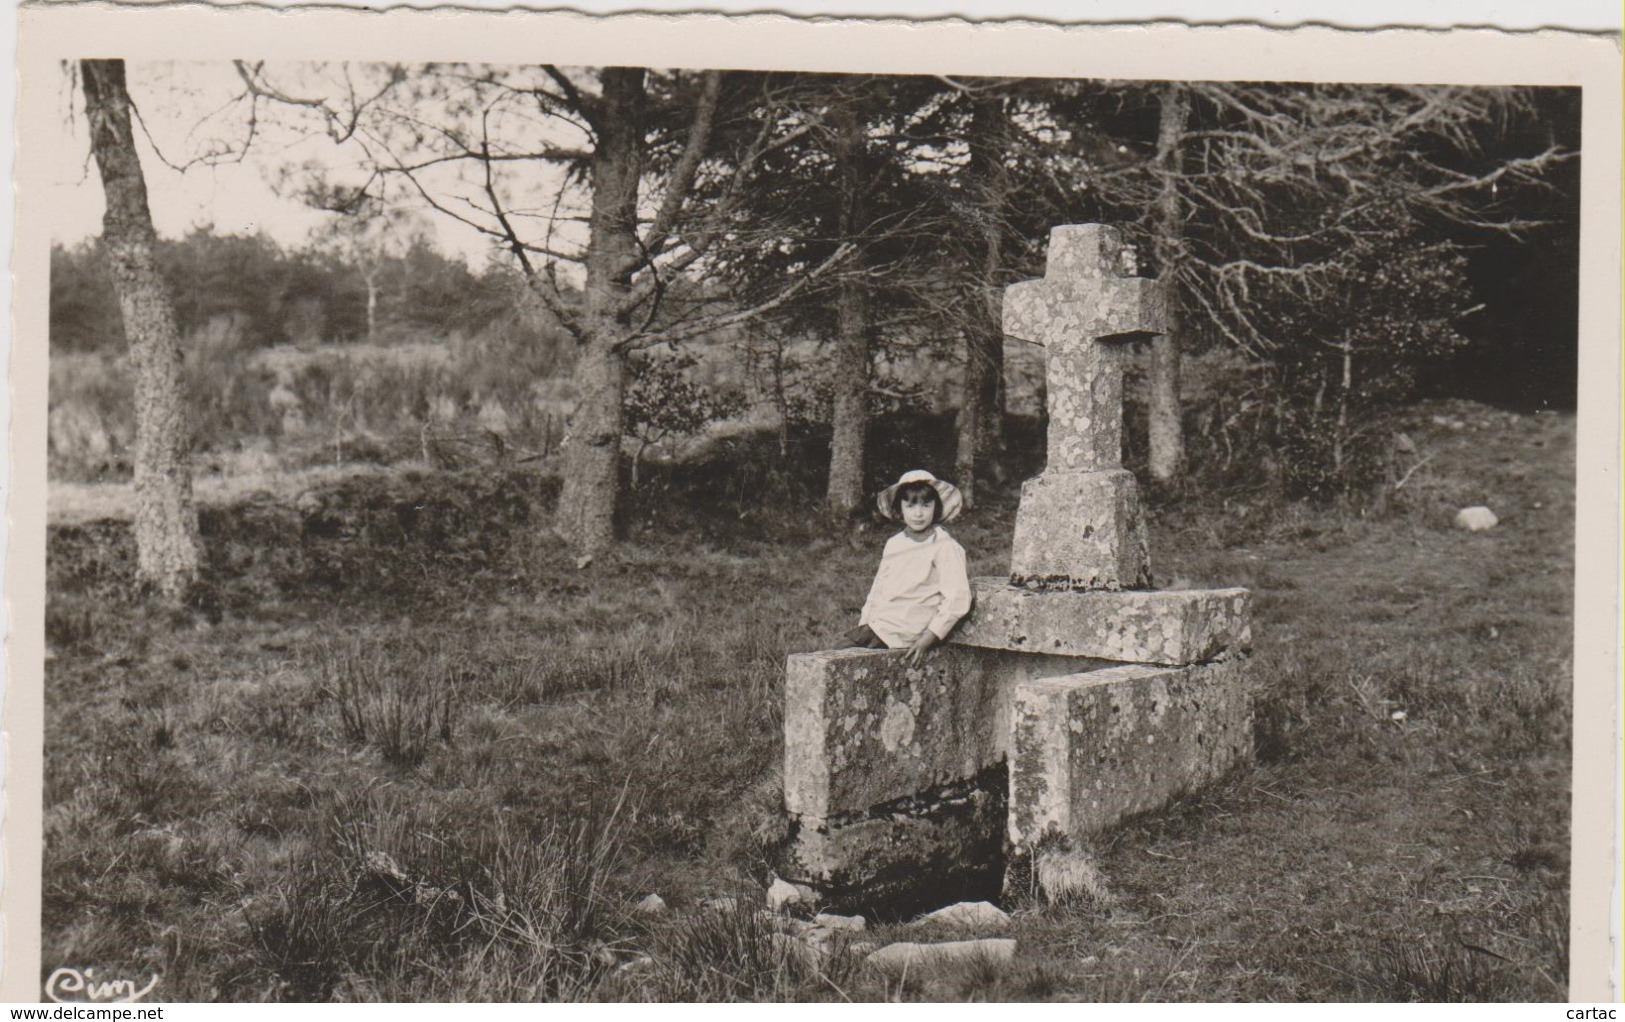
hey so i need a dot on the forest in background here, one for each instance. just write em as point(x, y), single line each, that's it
point(1336, 252)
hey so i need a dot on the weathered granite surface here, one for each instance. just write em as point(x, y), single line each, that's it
point(1093, 748)
point(1085, 252)
point(1159, 626)
point(1079, 525)
point(862, 728)
point(1082, 300)
point(1081, 530)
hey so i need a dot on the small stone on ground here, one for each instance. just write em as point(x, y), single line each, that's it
point(969, 915)
point(653, 905)
point(830, 921)
point(1476, 519)
point(782, 894)
point(911, 957)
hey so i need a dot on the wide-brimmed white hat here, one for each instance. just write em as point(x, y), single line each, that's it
point(952, 502)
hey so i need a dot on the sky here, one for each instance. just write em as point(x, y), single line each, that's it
point(187, 110)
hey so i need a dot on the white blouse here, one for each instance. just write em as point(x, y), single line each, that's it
point(921, 584)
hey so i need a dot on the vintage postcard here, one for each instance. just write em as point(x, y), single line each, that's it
point(519, 506)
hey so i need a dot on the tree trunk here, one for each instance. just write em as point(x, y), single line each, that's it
point(371, 278)
point(781, 397)
point(850, 415)
point(1339, 440)
point(166, 536)
point(971, 422)
point(981, 414)
point(586, 512)
point(1167, 439)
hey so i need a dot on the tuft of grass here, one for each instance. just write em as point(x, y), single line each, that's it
point(399, 700)
point(733, 952)
point(302, 938)
point(1406, 972)
point(1057, 875)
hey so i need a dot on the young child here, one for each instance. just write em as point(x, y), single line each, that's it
point(921, 590)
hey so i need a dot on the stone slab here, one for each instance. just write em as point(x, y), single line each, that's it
point(1081, 530)
point(1164, 626)
point(862, 728)
point(1090, 749)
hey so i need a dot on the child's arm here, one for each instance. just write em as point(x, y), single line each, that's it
point(869, 601)
point(956, 595)
point(956, 601)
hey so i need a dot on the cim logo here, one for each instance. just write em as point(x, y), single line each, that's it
point(65, 985)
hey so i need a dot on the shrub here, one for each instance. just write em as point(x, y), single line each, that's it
point(664, 404)
point(92, 418)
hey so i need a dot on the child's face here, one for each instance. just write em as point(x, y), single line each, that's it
point(918, 511)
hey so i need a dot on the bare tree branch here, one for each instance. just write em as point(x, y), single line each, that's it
point(708, 324)
point(339, 127)
point(681, 179)
point(549, 296)
point(586, 106)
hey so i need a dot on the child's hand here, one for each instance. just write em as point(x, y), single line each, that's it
point(917, 649)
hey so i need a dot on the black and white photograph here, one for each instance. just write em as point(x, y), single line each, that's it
point(542, 507)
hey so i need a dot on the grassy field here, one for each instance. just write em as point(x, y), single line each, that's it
point(403, 748)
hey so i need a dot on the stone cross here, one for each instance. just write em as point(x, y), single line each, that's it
point(1083, 303)
point(1079, 524)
